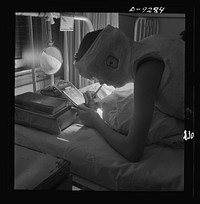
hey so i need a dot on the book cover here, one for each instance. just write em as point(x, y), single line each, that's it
point(38, 102)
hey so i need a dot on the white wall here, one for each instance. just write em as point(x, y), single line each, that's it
point(126, 24)
point(171, 26)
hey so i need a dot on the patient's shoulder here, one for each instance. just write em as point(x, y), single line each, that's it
point(150, 60)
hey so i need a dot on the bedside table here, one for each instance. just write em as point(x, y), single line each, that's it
point(38, 171)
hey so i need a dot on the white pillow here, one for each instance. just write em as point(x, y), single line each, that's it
point(117, 113)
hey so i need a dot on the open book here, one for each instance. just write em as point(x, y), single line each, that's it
point(65, 89)
point(74, 95)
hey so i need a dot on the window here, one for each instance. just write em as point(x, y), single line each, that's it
point(21, 35)
point(30, 35)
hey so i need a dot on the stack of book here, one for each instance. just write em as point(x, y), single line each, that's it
point(46, 113)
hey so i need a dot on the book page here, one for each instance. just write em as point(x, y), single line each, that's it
point(74, 95)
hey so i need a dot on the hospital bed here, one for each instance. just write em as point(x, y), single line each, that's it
point(95, 165)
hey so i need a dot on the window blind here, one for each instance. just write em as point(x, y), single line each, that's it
point(21, 35)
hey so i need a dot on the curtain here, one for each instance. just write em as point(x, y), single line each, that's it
point(72, 40)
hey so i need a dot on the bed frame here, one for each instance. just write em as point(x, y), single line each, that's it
point(86, 185)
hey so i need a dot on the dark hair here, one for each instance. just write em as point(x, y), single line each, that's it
point(86, 43)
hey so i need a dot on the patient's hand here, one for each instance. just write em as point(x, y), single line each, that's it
point(90, 101)
point(87, 116)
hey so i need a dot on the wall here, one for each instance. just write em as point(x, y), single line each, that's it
point(170, 24)
point(126, 24)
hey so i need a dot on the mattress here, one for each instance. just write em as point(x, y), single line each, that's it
point(160, 169)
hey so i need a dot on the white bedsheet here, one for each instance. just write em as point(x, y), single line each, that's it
point(161, 168)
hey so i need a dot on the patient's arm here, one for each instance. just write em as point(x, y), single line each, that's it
point(145, 88)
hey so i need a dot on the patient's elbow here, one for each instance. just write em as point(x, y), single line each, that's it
point(134, 158)
point(134, 155)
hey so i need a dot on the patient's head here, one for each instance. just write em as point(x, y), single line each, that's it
point(105, 55)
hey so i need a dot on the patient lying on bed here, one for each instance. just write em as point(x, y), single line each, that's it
point(160, 168)
point(156, 67)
